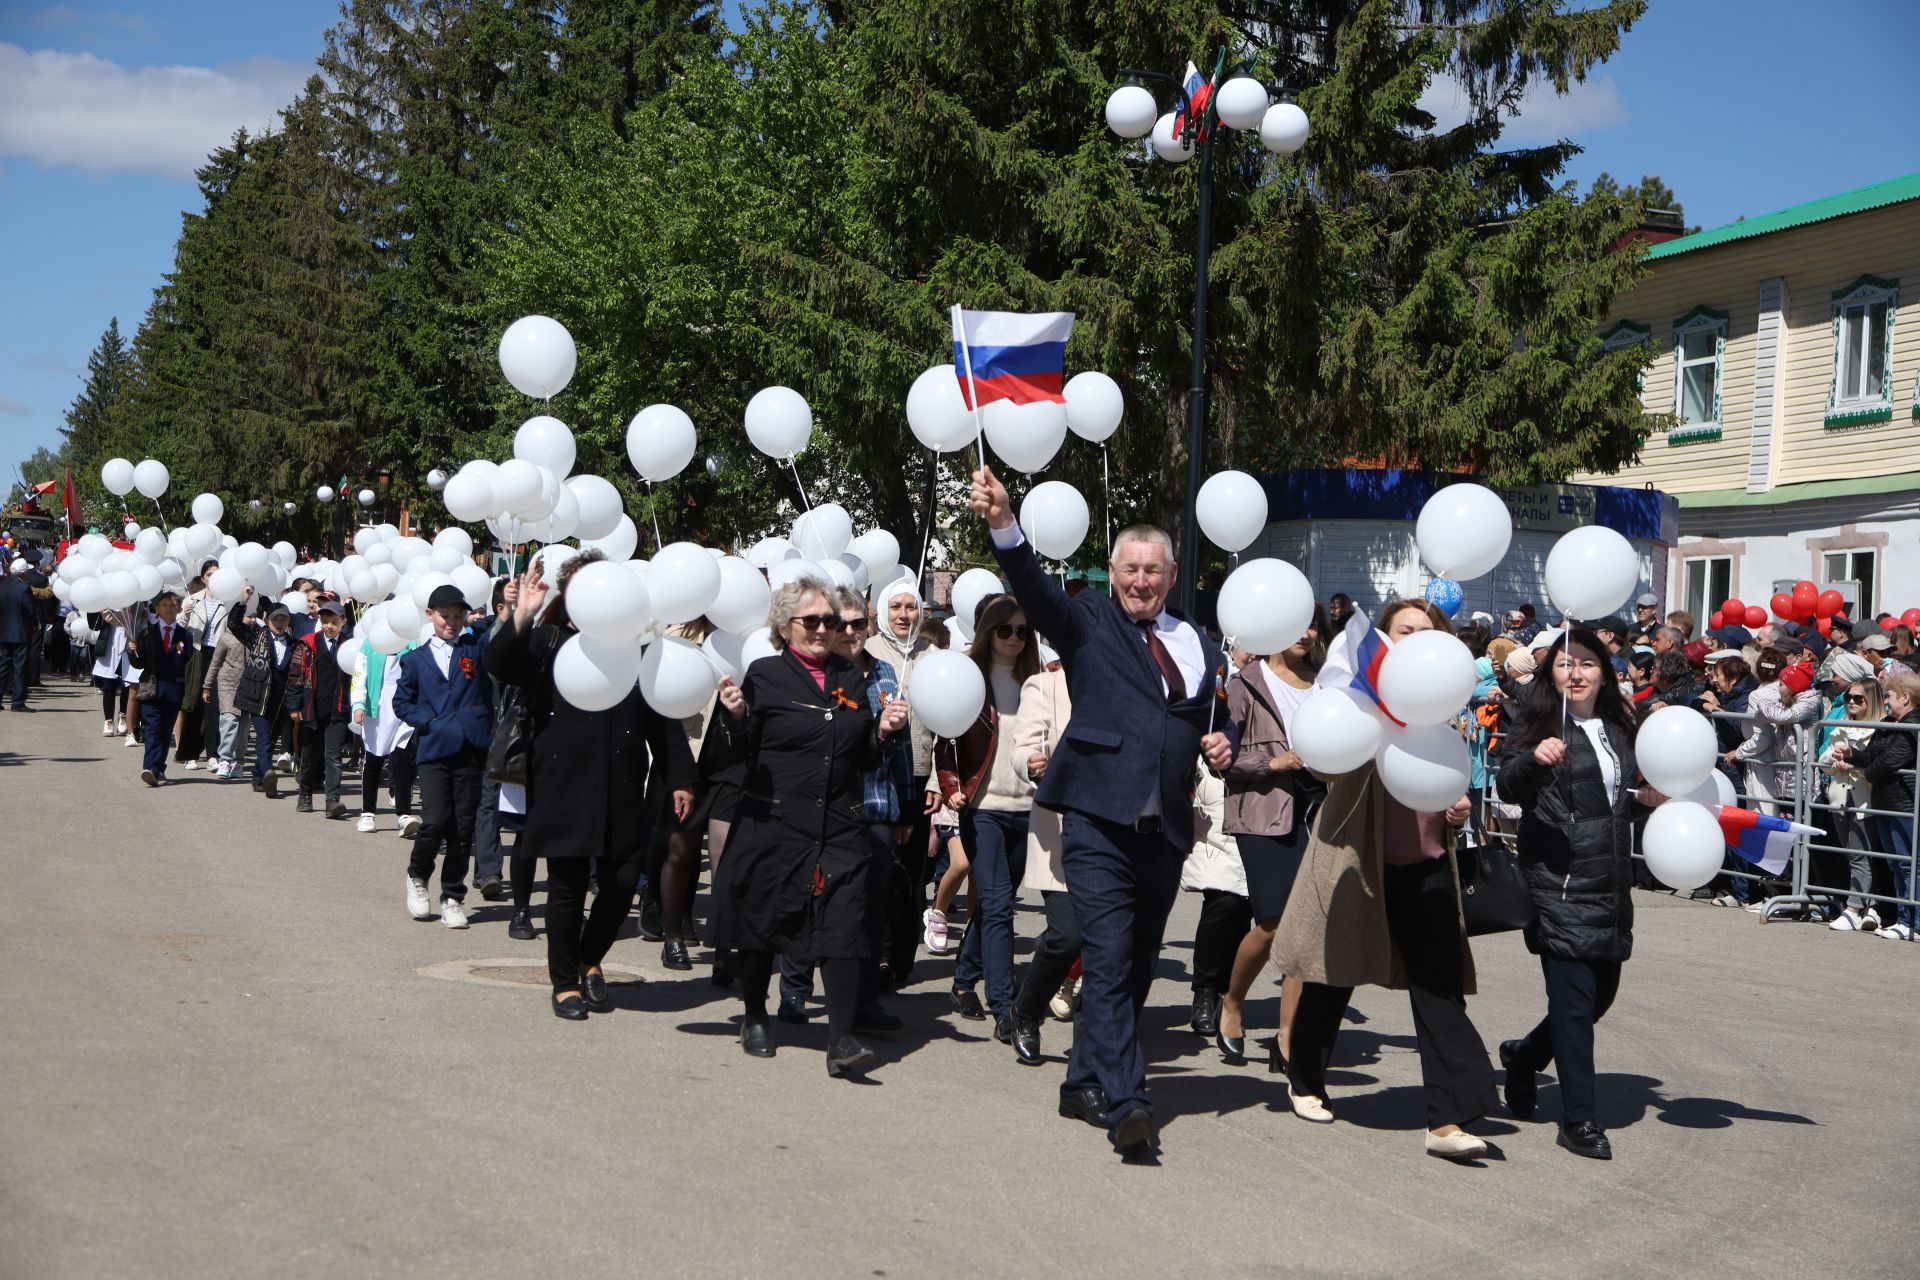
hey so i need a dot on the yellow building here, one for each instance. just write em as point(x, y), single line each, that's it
point(1790, 358)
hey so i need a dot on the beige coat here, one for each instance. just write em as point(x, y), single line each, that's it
point(1334, 930)
point(1037, 726)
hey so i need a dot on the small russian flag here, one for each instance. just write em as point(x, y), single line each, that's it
point(1009, 355)
point(1353, 661)
point(1199, 91)
point(1760, 838)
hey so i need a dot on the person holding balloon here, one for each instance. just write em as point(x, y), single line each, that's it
point(1572, 772)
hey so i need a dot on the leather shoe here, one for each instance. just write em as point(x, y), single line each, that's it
point(521, 927)
point(492, 889)
point(651, 927)
point(270, 785)
point(1003, 1028)
point(673, 955)
point(1233, 1049)
point(1026, 1041)
point(1206, 1011)
point(756, 1037)
point(304, 804)
point(878, 1020)
point(968, 1005)
point(1088, 1104)
point(1522, 1088)
point(846, 1056)
point(571, 1008)
point(593, 991)
point(1586, 1139)
point(1134, 1134)
point(792, 1011)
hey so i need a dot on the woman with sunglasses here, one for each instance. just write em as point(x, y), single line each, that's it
point(798, 870)
point(1848, 793)
point(985, 780)
point(1886, 765)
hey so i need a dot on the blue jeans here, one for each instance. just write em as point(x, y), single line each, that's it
point(487, 856)
point(1896, 841)
point(996, 845)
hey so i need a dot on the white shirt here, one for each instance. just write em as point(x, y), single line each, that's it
point(1596, 732)
point(1286, 698)
point(280, 643)
point(1182, 641)
point(443, 655)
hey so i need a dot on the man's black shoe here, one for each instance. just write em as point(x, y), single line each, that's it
point(1586, 1139)
point(652, 927)
point(792, 1011)
point(1522, 1088)
point(1206, 1011)
point(1134, 1135)
point(1026, 1041)
point(521, 927)
point(492, 889)
point(1088, 1104)
point(968, 1005)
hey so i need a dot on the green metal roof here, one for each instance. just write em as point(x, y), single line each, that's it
point(1901, 482)
point(1892, 191)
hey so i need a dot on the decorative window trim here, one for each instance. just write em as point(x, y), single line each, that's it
point(1620, 336)
point(1916, 395)
point(1867, 410)
point(1698, 320)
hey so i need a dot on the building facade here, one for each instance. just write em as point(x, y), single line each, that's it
point(1787, 350)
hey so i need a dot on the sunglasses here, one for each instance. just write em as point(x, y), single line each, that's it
point(821, 621)
point(1857, 697)
point(855, 624)
point(1008, 631)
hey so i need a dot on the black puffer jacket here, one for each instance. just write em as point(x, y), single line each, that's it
point(1576, 849)
point(1883, 762)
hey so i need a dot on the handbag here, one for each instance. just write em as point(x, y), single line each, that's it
point(1494, 897)
point(512, 741)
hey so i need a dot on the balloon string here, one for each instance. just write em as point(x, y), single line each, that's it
point(653, 510)
point(804, 504)
point(1106, 490)
point(163, 516)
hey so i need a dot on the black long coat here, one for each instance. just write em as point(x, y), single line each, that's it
point(795, 877)
point(587, 770)
point(1576, 849)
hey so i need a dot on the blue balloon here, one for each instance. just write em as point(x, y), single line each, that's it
point(1447, 594)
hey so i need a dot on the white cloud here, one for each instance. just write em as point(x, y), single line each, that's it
point(1543, 115)
point(84, 112)
point(9, 405)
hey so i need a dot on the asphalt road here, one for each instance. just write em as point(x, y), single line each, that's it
point(225, 1052)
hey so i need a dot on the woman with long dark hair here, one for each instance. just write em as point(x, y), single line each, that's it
point(1572, 773)
point(586, 788)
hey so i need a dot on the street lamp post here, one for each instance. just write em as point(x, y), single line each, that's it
point(1241, 102)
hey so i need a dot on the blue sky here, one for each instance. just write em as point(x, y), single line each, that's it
point(1743, 106)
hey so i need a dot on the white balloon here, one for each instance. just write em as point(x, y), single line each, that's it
point(1463, 531)
point(1131, 111)
point(1715, 793)
point(149, 579)
point(948, 692)
point(797, 570)
point(550, 560)
point(285, 553)
point(969, 589)
point(117, 476)
point(469, 497)
point(90, 595)
point(545, 441)
point(475, 584)
point(1241, 103)
point(1054, 518)
point(619, 544)
point(779, 422)
point(251, 558)
point(599, 506)
point(436, 479)
point(76, 566)
point(837, 572)
point(661, 442)
point(1675, 748)
point(380, 553)
point(1683, 844)
point(1283, 129)
point(742, 601)
point(1426, 767)
point(151, 546)
point(857, 576)
point(595, 674)
point(405, 615)
point(676, 679)
point(516, 483)
point(1166, 144)
point(445, 559)
point(324, 493)
point(537, 355)
point(1591, 571)
point(565, 517)
point(1427, 678)
point(755, 645)
point(770, 551)
point(1026, 436)
point(363, 586)
point(385, 578)
point(684, 580)
point(95, 547)
point(383, 638)
point(1232, 509)
point(295, 601)
point(724, 650)
point(208, 509)
point(130, 530)
point(366, 537)
point(1094, 405)
point(227, 584)
point(348, 656)
point(607, 602)
point(202, 540)
point(1265, 605)
point(878, 550)
point(150, 478)
point(937, 413)
point(824, 532)
point(424, 585)
point(1336, 730)
point(457, 538)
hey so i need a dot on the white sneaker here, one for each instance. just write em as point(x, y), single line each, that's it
point(1870, 919)
point(129, 742)
point(1757, 908)
point(120, 725)
point(226, 770)
point(1897, 931)
point(409, 826)
point(419, 905)
point(283, 762)
point(192, 765)
point(1061, 1005)
point(933, 931)
point(1726, 900)
point(1847, 921)
point(1456, 1146)
point(107, 730)
point(366, 824)
point(452, 914)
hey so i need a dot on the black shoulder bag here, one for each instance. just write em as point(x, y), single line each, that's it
point(1493, 891)
point(512, 740)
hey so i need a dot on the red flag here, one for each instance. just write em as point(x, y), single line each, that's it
point(72, 504)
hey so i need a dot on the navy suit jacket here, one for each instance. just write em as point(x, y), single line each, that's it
point(1123, 740)
point(166, 665)
point(19, 617)
point(447, 712)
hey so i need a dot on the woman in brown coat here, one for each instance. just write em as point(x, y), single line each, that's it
point(1377, 903)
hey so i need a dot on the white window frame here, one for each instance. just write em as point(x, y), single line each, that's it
point(1701, 606)
point(1849, 406)
point(1698, 320)
point(1848, 556)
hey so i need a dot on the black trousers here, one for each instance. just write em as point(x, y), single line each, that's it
point(1224, 921)
point(1422, 917)
point(578, 938)
point(1053, 955)
point(324, 737)
point(449, 799)
point(907, 892)
point(13, 673)
point(396, 770)
point(1579, 993)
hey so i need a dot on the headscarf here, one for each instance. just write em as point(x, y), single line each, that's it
point(1848, 667)
point(882, 599)
point(1521, 665)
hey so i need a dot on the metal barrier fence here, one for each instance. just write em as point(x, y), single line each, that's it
point(1855, 843)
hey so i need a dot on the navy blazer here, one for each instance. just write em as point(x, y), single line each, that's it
point(1123, 739)
point(447, 712)
point(165, 665)
point(19, 616)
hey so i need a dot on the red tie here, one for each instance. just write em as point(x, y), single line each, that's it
point(1169, 671)
point(166, 637)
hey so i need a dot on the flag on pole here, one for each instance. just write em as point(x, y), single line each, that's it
point(1199, 92)
point(71, 504)
point(1760, 838)
point(1008, 355)
point(1353, 661)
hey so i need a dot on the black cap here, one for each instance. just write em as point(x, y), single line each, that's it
point(447, 596)
point(332, 606)
point(277, 610)
point(1618, 626)
point(1732, 637)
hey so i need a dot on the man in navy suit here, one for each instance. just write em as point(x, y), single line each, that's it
point(161, 651)
point(1122, 777)
point(18, 619)
point(444, 693)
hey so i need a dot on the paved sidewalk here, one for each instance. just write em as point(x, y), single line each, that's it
point(224, 1052)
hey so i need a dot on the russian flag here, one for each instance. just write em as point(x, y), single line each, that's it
point(1008, 355)
point(1760, 838)
point(1199, 91)
point(1353, 661)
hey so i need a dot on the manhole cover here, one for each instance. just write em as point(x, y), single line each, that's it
point(514, 973)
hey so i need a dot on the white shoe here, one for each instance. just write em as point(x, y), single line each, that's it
point(226, 770)
point(1456, 1146)
point(366, 824)
point(129, 742)
point(120, 725)
point(1847, 921)
point(283, 762)
point(107, 730)
point(1870, 919)
point(192, 765)
point(419, 905)
point(1897, 931)
point(452, 914)
point(1726, 900)
point(1315, 1109)
point(1061, 1006)
point(409, 826)
point(933, 931)
point(1757, 908)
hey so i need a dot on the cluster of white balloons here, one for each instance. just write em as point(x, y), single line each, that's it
point(1025, 436)
point(121, 477)
point(1676, 748)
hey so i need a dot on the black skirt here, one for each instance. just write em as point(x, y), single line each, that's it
point(713, 801)
point(1272, 863)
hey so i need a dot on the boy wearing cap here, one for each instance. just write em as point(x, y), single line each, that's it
point(263, 684)
point(322, 707)
point(444, 693)
point(161, 651)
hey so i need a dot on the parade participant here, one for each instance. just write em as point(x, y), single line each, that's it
point(163, 651)
point(444, 693)
point(1122, 778)
point(222, 678)
point(387, 740)
point(114, 672)
point(986, 783)
point(263, 684)
point(205, 618)
point(19, 619)
point(1572, 773)
point(322, 708)
point(489, 856)
point(899, 640)
point(798, 867)
point(586, 787)
point(1377, 903)
point(1046, 708)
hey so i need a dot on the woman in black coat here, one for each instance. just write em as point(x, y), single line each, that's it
point(586, 789)
point(798, 860)
point(1572, 772)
